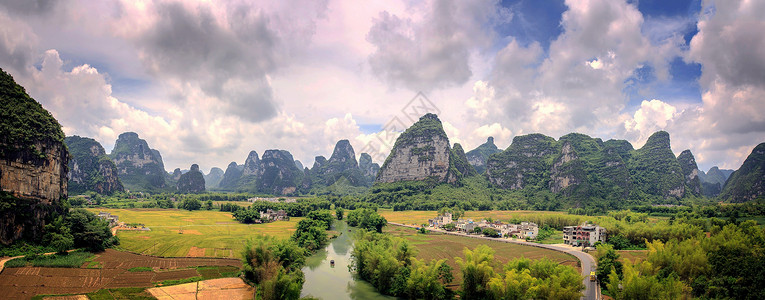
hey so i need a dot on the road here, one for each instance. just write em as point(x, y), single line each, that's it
point(591, 289)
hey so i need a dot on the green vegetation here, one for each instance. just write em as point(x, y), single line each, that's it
point(366, 219)
point(747, 182)
point(388, 263)
point(275, 267)
point(311, 232)
point(729, 264)
point(521, 279)
point(482, 153)
point(24, 122)
point(73, 259)
point(458, 163)
point(140, 269)
point(427, 128)
point(90, 158)
point(132, 293)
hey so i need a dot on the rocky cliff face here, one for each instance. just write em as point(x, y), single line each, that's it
point(33, 163)
point(231, 176)
point(139, 167)
point(478, 156)
point(176, 174)
point(690, 172)
point(460, 162)
point(251, 164)
point(192, 181)
point(214, 177)
point(278, 174)
point(342, 164)
point(748, 182)
point(523, 163)
point(368, 168)
point(581, 167)
point(90, 169)
point(655, 170)
point(421, 152)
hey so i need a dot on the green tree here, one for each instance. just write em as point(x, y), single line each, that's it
point(88, 230)
point(476, 271)
point(608, 259)
point(339, 213)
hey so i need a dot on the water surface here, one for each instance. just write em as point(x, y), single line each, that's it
point(329, 283)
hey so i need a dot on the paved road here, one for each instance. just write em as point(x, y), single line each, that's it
point(591, 289)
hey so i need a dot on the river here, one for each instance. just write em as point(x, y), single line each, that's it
point(326, 282)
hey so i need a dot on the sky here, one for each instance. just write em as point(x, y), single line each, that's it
point(206, 82)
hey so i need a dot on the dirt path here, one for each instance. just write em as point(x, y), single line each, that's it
point(591, 289)
point(222, 288)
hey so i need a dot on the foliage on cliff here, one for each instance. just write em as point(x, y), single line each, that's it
point(140, 167)
point(95, 171)
point(23, 121)
point(748, 182)
point(654, 169)
point(192, 181)
point(427, 128)
point(460, 162)
point(478, 156)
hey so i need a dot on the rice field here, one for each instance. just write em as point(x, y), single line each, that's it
point(443, 246)
point(202, 233)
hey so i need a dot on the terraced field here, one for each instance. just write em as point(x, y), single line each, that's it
point(116, 270)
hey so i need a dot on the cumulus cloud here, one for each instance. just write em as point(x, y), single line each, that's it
point(432, 48)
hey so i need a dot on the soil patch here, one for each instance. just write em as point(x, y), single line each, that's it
point(26, 282)
point(196, 252)
point(223, 288)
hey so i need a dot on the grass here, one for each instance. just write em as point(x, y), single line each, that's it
point(217, 272)
point(140, 269)
point(217, 232)
point(556, 238)
point(120, 293)
point(71, 260)
point(179, 281)
point(442, 246)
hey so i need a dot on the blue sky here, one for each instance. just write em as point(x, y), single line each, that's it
point(207, 82)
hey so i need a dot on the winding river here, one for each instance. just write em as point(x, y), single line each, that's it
point(326, 282)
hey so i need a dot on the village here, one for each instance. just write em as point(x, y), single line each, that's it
point(585, 235)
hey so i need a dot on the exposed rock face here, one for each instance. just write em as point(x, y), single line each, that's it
point(90, 169)
point(655, 170)
point(139, 167)
point(690, 172)
point(342, 164)
point(478, 156)
point(33, 163)
point(460, 162)
point(214, 177)
point(523, 163)
point(748, 182)
point(564, 173)
point(251, 164)
point(278, 174)
point(421, 152)
point(231, 177)
point(298, 164)
point(319, 162)
point(176, 174)
point(368, 168)
point(192, 181)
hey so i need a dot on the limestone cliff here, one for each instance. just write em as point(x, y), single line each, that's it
point(90, 169)
point(421, 152)
point(478, 156)
point(231, 176)
point(654, 169)
point(251, 164)
point(690, 172)
point(342, 164)
point(748, 182)
point(278, 174)
point(214, 177)
point(33, 163)
point(523, 163)
point(192, 181)
point(139, 167)
point(460, 162)
point(368, 168)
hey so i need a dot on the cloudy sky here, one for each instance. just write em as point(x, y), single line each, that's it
point(207, 81)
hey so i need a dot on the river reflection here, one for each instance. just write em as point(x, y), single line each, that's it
point(326, 282)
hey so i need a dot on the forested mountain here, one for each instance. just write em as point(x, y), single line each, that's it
point(90, 169)
point(478, 156)
point(214, 177)
point(139, 167)
point(33, 164)
point(192, 181)
point(422, 152)
point(713, 181)
point(748, 182)
point(276, 173)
